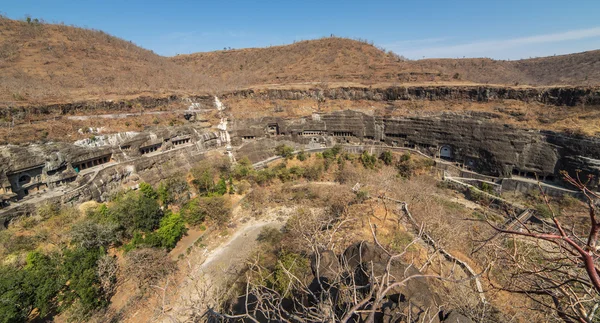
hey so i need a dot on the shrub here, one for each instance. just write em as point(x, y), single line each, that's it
point(243, 169)
point(148, 190)
point(287, 262)
point(147, 266)
point(313, 173)
point(203, 175)
point(216, 208)
point(193, 213)
point(302, 156)
point(284, 151)
point(387, 157)
point(221, 187)
point(243, 187)
point(544, 211)
point(79, 269)
point(568, 200)
point(368, 160)
point(90, 234)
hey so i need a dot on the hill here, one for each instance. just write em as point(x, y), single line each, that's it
point(572, 69)
point(326, 59)
point(53, 63)
point(346, 60)
point(49, 62)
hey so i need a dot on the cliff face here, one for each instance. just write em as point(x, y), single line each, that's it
point(556, 96)
point(559, 96)
point(479, 144)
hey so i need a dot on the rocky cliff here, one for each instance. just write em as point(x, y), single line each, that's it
point(556, 96)
point(469, 140)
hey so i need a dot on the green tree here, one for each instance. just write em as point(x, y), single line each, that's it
point(134, 211)
point(79, 269)
point(17, 294)
point(148, 191)
point(203, 175)
point(284, 151)
point(193, 212)
point(368, 160)
point(216, 208)
point(173, 190)
point(42, 273)
point(172, 228)
point(221, 187)
point(302, 156)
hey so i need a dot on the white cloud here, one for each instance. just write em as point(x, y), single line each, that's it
point(507, 47)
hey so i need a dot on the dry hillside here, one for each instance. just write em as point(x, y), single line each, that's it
point(345, 60)
point(43, 63)
point(322, 60)
point(573, 69)
point(46, 62)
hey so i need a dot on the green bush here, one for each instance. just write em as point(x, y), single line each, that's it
point(284, 151)
point(203, 178)
point(544, 211)
point(270, 235)
point(368, 160)
point(148, 191)
point(91, 234)
point(313, 173)
point(387, 157)
point(79, 269)
point(193, 212)
point(302, 156)
point(220, 188)
point(287, 262)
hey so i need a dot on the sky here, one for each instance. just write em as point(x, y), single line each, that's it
point(500, 29)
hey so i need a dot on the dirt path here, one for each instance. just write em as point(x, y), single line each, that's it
point(221, 260)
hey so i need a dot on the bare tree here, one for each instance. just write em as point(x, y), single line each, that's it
point(555, 263)
point(365, 282)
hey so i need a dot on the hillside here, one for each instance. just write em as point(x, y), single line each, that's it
point(573, 69)
point(49, 63)
point(345, 60)
point(46, 62)
point(326, 59)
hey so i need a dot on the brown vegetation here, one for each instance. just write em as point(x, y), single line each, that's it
point(42, 62)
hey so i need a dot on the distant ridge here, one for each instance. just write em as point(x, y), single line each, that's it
point(54, 63)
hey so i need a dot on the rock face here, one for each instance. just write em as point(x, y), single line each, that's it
point(561, 96)
point(473, 141)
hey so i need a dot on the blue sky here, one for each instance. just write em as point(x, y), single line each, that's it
point(499, 29)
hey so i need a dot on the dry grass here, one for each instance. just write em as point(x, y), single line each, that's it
point(56, 63)
point(43, 63)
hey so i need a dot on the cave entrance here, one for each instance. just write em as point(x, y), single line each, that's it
point(446, 153)
point(24, 179)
